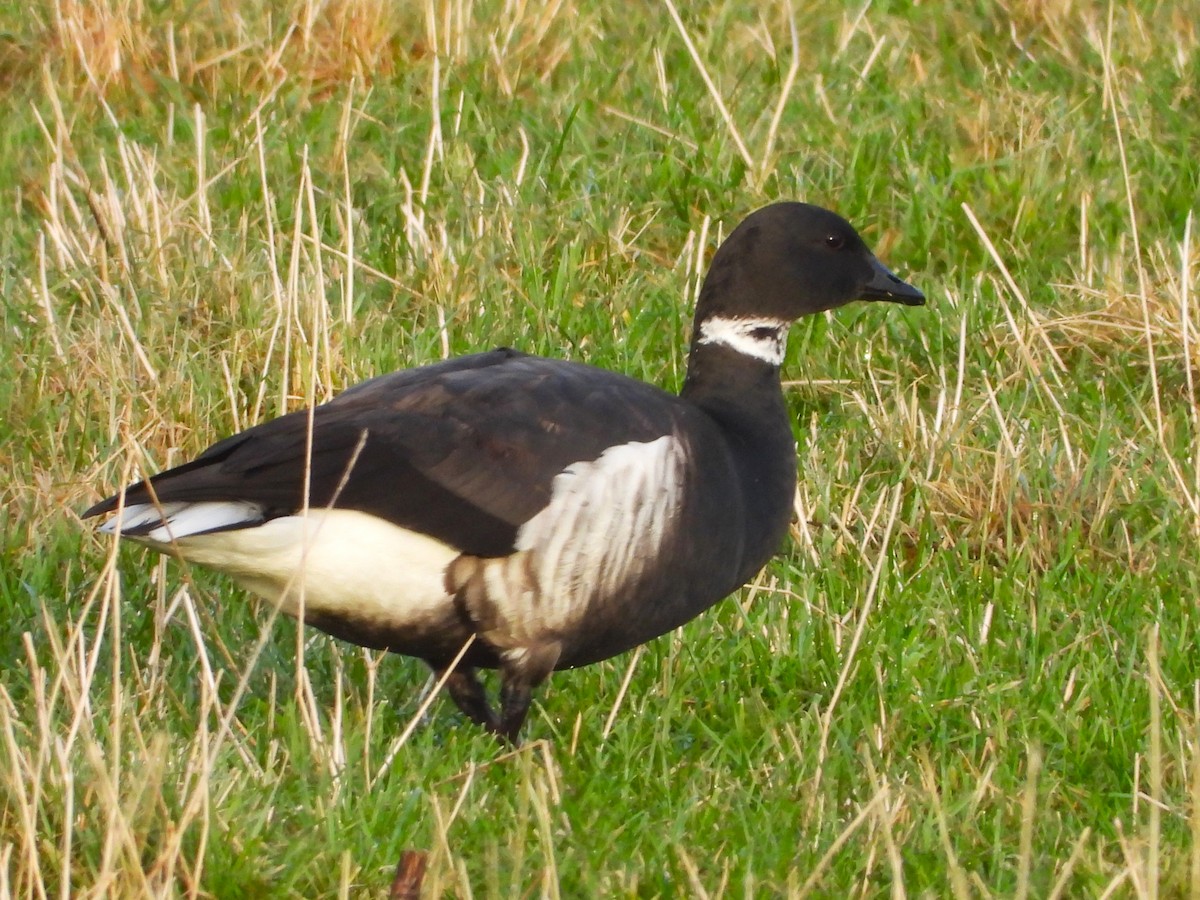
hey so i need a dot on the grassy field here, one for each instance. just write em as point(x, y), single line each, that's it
point(973, 671)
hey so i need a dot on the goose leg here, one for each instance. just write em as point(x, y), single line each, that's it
point(523, 669)
point(526, 658)
point(515, 697)
point(468, 695)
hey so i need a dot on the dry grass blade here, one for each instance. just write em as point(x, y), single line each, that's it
point(959, 884)
point(785, 92)
point(1064, 876)
point(886, 815)
point(732, 128)
point(1028, 814)
point(868, 810)
point(1154, 838)
point(1035, 369)
point(1194, 793)
point(1113, 101)
point(863, 617)
point(695, 883)
point(417, 716)
point(620, 698)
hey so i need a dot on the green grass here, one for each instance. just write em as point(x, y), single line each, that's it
point(974, 669)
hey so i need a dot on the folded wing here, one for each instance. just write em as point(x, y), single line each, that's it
point(464, 451)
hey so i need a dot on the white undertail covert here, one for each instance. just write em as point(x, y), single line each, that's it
point(324, 560)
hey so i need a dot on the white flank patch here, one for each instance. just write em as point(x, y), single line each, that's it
point(764, 339)
point(330, 561)
point(605, 524)
point(178, 520)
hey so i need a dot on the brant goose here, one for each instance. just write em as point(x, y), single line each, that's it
point(551, 513)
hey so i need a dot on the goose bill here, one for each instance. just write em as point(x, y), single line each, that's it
point(886, 285)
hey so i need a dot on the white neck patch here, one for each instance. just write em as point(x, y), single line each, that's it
point(763, 339)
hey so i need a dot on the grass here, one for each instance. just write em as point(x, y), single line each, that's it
point(973, 671)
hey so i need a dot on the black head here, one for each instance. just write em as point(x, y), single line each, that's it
point(788, 260)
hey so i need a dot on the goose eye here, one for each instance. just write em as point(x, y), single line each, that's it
point(835, 242)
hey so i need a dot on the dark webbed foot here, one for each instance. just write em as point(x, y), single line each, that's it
point(527, 651)
point(515, 698)
point(468, 695)
point(521, 671)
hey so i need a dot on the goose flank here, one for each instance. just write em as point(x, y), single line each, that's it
point(557, 513)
